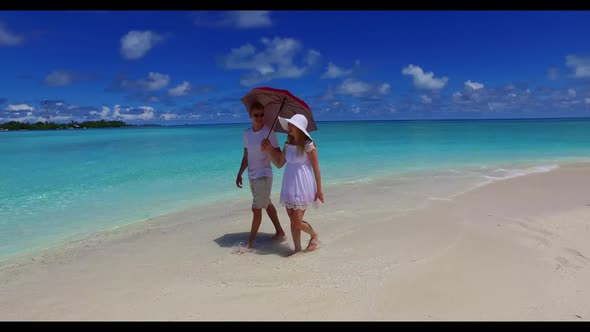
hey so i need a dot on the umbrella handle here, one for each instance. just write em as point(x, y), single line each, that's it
point(275, 121)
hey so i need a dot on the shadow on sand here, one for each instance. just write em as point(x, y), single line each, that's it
point(263, 245)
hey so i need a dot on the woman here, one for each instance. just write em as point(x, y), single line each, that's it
point(302, 183)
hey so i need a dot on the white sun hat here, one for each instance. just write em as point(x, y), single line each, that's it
point(298, 120)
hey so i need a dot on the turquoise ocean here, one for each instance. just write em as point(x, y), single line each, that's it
point(58, 184)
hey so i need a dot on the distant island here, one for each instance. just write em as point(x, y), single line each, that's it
point(15, 125)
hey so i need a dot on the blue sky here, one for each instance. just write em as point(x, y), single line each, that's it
point(177, 67)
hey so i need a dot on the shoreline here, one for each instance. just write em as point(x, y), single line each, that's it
point(515, 249)
point(390, 177)
point(133, 226)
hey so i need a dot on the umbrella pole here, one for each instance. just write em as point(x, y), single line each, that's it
point(275, 121)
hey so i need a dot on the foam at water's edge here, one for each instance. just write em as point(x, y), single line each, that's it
point(512, 173)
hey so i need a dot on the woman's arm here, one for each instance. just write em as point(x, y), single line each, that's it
point(315, 164)
point(276, 155)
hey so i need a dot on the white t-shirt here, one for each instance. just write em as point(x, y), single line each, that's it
point(258, 161)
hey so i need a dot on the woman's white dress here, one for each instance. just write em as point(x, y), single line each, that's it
point(299, 189)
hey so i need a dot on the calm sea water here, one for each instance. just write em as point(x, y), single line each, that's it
point(56, 184)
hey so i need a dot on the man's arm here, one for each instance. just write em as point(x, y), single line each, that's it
point(243, 167)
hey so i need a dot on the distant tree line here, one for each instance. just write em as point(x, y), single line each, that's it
point(15, 125)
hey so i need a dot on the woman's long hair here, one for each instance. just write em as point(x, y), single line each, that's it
point(301, 142)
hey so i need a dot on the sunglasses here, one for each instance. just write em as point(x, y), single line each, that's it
point(258, 115)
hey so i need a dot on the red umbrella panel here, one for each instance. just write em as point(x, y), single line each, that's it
point(279, 102)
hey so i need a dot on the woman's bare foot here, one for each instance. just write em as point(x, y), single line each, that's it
point(313, 244)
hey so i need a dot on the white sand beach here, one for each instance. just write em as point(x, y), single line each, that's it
point(515, 249)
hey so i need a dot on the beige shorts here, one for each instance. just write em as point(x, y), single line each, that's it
point(260, 188)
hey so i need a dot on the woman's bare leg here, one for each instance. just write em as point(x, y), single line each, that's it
point(295, 231)
point(297, 220)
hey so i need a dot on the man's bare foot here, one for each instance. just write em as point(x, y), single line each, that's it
point(295, 253)
point(240, 248)
point(313, 244)
point(279, 237)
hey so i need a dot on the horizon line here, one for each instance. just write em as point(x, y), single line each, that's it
point(387, 120)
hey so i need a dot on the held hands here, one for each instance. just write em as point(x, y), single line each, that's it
point(319, 195)
point(265, 145)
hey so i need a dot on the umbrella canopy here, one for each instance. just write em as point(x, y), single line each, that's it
point(279, 102)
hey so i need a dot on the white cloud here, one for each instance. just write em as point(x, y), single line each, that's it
point(510, 99)
point(356, 109)
point(135, 44)
point(474, 85)
point(425, 99)
point(169, 116)
point(581, 65)
point(474, 93)
point(28, 117)
point(312, 57)
point(276, 60)
point(384, 88)
point(328, 95)
point(517, 99)
point(245, 19)
point(104, 113)
point(496, 106)
point(459, 97)
point(356, 88)
point(333, 71)
point(239, 19)
point(19, 107)
point(181, 90)
point(59, 78)
point(424, 80)
point(240, 52)
point(60, 118)
point(154, 81)
point(571, 93)
point(147, 108)
point(563, 98)
point(128, 113)
point(8, 38)
point(553, 73)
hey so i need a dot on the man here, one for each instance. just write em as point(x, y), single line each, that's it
point(259, 172)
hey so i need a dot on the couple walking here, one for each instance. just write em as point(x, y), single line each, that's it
point(302, 184)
